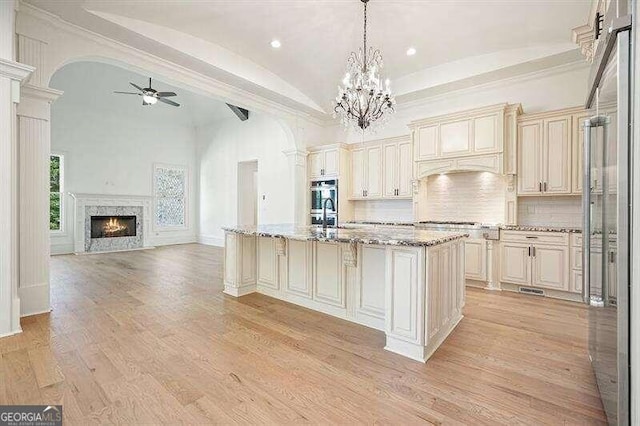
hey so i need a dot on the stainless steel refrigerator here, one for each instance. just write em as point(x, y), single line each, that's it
point(606, 206)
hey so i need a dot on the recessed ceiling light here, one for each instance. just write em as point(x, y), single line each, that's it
point(275, 44)
point(411, 51)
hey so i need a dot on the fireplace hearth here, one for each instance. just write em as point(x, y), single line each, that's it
point(113, 226)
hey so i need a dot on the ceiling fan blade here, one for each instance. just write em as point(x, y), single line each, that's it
point(137, 87)
point(167, 101)
point(128, 93)
point(165, 94)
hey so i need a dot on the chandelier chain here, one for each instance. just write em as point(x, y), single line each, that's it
point(365, 36)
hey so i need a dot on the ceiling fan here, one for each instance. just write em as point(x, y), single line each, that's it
point(151, 96)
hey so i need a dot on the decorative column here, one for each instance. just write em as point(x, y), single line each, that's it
point(12, 75)
point(300, 187)
point(34, 147)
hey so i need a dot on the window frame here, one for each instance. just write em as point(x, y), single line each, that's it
point(187, 180)
point(63, 209)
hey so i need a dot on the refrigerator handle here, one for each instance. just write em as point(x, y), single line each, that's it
point(586, 212)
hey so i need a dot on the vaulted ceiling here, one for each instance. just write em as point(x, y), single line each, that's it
point(454, 39)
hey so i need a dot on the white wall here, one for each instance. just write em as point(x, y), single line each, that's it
point(221, 146)
point(550, 211)
point(107, 152)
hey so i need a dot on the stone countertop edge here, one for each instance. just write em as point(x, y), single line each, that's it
point(374, 239)
point(569, 230)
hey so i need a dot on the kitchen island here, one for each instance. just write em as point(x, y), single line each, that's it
point(406, 282)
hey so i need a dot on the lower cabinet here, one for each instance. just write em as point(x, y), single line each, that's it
point(535, 259)
point(475, 252)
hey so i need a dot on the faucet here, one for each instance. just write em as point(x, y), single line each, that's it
point(324, 212)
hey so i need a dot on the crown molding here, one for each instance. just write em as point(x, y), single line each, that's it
point(213, 87)
point(15, 70)
point(441, 92)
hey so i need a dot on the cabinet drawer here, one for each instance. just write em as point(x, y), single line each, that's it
point(560, 238)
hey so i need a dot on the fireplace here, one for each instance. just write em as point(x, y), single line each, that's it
point(113, 226)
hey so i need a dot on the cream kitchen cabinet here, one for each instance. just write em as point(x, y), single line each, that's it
point(325, 162)
point(398, 166)
point(382, 170)
point(475, 255)
point(468, 133)
point(544, 156)
point(537, 259)
point(366, 172)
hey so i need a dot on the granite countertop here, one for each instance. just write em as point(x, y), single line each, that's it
point(375, 222)
point(540, 228)
point(393, 237)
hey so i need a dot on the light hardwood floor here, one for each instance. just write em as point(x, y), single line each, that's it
point(148, 337)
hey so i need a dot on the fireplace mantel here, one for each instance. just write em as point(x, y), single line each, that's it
point(84, 200)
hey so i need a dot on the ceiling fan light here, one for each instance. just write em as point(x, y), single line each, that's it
point(149, 99)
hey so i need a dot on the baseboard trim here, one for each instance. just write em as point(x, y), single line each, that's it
point(211, 240)
point(34, 299)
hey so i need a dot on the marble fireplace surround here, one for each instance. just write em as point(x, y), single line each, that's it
point(87, 205)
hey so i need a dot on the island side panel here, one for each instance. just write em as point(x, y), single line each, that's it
point(445, 292)
point(405, 301)
point(239, 264)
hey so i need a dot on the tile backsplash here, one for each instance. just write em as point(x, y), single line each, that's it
point(384, 210)
point(468, 196)
point(550, 211)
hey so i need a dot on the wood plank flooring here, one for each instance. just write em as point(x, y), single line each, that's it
point(148, 337)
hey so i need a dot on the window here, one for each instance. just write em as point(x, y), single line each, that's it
point(170, 194)
point(56, 193)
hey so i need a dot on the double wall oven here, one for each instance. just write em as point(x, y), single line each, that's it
point(321, 190)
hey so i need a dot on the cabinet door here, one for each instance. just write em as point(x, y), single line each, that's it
point(331, 162)
point(373, 172)
point(556, 159)
point(576, 152)
point(426, 144)
point(515, 263)
point(550, 267)
point(405, 169)
point(455, 138)
point(357, 173)
point(316, 164)
point(390, 172)
point(485, 134)
point(529, 153)
point(475, 258)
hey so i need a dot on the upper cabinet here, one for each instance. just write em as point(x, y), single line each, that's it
point(549, 152)
point(382, 169)
point(473, 132)
point(327, 161)
point(475, 139)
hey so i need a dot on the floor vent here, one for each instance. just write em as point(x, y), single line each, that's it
point(531, 291)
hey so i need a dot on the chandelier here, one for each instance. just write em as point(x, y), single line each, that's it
point(363, 102)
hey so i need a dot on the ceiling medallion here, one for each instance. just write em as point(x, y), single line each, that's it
point(363, 102)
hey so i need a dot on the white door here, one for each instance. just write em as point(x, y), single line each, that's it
point(316, 164)
point(485, 134)
point(576, 161)
point(357, 174)
point(373, 172)
point(405, 169)
point(550, 267)
point(475, 258)
point(331, 162)
point(515, 263)
point(390, 170)
point(248, 193)
point(529, 156)
point(556, 157)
